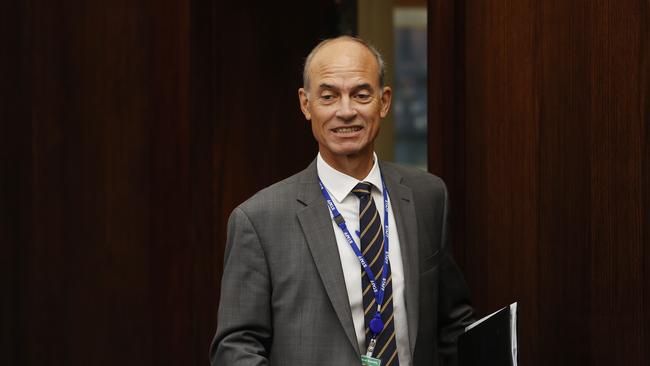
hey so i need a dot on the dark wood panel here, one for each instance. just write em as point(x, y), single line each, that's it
point(84, 280)
point(617, 44)
point(552, 169)
point(565, 182)
point(205, 218)
point(644, 164)
point(15, 178)
point(445, 109)
point(501, 179)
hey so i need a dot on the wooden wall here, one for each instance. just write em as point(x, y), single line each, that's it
point(539, 122)
point(129, 131)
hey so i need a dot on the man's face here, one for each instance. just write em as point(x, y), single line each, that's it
point(345, 102)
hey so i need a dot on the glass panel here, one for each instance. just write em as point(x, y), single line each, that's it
point(410, 83)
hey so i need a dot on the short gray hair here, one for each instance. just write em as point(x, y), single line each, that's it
point(373, 50)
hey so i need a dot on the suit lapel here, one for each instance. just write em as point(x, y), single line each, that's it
point(316, 224)
point(402, 203)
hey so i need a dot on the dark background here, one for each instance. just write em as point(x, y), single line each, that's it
point(130, 129)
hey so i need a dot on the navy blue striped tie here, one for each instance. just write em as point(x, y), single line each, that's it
point(372, 247)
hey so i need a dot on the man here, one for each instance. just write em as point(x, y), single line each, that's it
point(294, 289)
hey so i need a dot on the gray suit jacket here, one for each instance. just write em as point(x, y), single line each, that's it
point(283, 294)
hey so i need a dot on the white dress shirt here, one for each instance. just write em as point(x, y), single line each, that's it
point(339, 186)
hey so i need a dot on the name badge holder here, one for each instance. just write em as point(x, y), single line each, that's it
point(376, 324)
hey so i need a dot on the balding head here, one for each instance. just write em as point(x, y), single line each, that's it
point(332, 41)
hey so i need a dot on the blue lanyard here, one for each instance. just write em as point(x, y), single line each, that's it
point(378, 292)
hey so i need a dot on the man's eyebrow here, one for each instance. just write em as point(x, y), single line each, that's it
point(326, 86)
point(357, 87)
point(363, 86)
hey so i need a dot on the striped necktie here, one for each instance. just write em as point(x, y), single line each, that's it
point(372, 247)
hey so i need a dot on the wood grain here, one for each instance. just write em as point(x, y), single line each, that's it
point(551, 170)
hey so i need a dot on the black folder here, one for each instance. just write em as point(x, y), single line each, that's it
point(490, 341)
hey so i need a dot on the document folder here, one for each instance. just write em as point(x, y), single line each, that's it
point(490, 341)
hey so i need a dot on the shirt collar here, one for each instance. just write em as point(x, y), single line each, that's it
point(340, 184)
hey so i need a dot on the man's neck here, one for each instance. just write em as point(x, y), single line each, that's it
point(356, 166)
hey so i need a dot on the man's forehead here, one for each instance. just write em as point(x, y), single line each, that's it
point(342, 50)
point(343, 58)
point(343, 45)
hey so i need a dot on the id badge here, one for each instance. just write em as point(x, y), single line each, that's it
point(370, 361)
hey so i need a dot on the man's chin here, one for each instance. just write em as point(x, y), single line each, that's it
point(355, 153)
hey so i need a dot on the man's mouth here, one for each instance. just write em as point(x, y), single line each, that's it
point(346, 129)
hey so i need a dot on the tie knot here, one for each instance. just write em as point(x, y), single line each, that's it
point(362, 189)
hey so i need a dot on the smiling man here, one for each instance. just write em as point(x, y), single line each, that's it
point(347, 262)
point(345, 100)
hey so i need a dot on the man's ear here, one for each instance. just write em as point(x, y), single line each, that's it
point(304, 103)
point(386, 98)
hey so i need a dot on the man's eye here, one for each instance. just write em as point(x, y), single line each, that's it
point(362, 96)
point(327, 97)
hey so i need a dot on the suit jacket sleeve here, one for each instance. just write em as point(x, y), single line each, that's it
point(244, 327)
point(454, 308)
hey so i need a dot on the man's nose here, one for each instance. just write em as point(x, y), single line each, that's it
point(346, 110)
